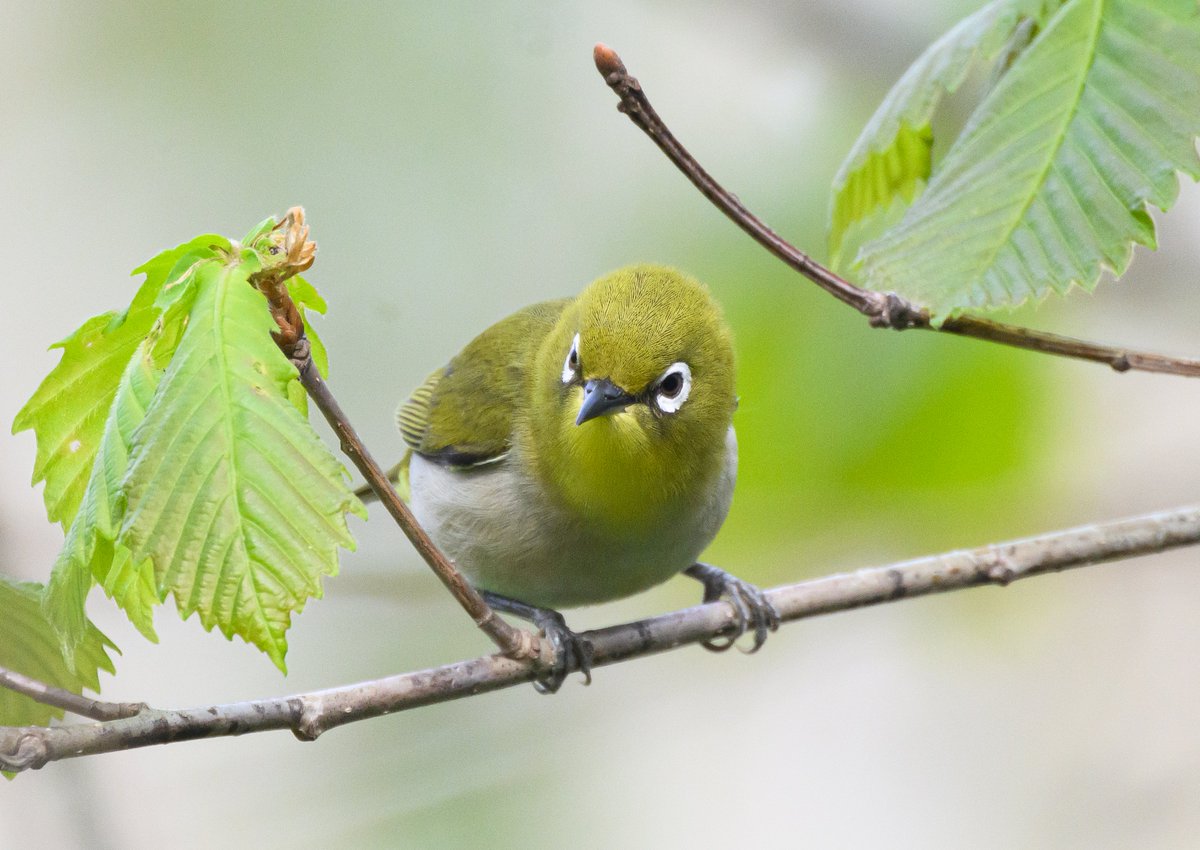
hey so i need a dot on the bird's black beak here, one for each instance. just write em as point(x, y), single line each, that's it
point(601, 397)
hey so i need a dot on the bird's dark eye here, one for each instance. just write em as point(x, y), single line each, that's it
point(673, 388)
point(571, 367)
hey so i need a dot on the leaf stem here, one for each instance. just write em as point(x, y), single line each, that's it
point(883, 310)
point(309, 715)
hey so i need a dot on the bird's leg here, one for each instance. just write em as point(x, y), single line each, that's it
point(570, 650)
point(753, 609)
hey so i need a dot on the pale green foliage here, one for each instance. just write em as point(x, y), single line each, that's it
point(891, 157)
point(28, 645)
point(1049, 182)
point(230, 493)
point(91, 550)
point(68, 411)
point(175, 450)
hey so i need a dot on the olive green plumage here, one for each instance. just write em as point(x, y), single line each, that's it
point(443, 418)
point(580, 450)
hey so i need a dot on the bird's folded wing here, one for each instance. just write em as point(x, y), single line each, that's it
point(463, 414)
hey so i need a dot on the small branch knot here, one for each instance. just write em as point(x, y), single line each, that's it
point(308, 724)
point(892, 311)
point(1001, 575)
point(131, 709)
point(999, 571)
point(28, 753)
point(301, 354)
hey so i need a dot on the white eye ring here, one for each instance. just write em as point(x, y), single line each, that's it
point(571, 366)
point(669, 402)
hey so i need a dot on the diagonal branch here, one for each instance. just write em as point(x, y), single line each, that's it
point(516, 643)
point(290, 238)
point(883, 310)
point(309, 715)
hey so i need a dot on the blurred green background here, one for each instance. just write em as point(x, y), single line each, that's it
point(460, 160)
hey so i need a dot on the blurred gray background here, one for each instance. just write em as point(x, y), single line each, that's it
point(458, 161)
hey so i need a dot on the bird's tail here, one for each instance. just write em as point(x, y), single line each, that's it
point(398, 475)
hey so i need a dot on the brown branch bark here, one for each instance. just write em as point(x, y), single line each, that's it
point(883, 310)
point(93, 709)
point(309, 715)
point(289, 240)
point(513, 642)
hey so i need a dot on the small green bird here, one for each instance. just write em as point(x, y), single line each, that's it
point(582, 450)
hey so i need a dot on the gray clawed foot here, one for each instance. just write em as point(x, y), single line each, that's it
point(571, 651)
point(754, 611)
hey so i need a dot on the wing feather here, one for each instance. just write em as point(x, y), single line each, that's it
point(462, 415)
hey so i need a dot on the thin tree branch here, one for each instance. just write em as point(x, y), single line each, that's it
point(75, 703)
point(883, 310)
point(309, 715)
point(515, 643)
point(290, 237)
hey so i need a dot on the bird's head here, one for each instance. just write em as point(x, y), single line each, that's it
point(634, 391)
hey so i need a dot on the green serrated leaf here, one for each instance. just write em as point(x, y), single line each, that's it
point(132, 585)
point(229, 492)
point(89, 550)
point(168, 270)
point(891, 157)
point(116, 366)
point(29, 646)
point(67, 411)
point(65, 598)
point(1049, 182)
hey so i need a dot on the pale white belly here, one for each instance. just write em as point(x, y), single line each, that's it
point(506, 535)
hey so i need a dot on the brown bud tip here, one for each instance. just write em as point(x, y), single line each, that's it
point(606, 59)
